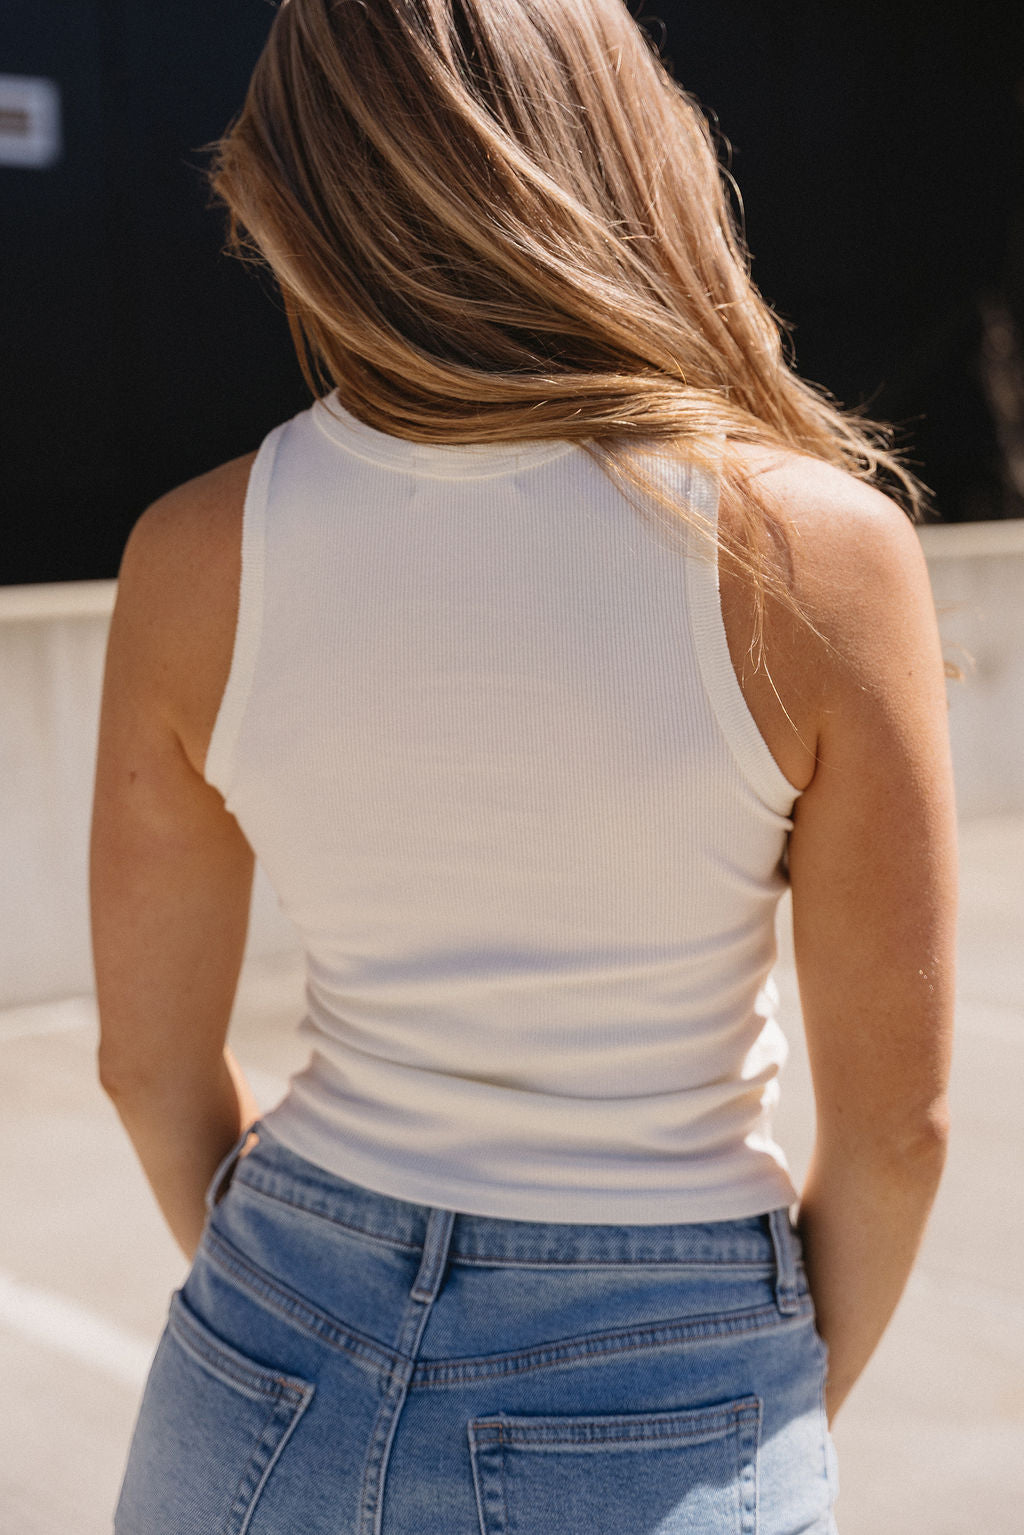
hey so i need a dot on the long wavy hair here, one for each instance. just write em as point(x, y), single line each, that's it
point(495, 220)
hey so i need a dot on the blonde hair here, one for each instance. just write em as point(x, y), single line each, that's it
point(494, 220)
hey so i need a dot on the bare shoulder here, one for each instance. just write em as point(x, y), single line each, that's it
point(178, 599)
point(848, 545)
point(192, 525)
point(854, 567)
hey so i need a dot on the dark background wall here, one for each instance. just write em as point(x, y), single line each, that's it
point(878, 149)
point(134, 354)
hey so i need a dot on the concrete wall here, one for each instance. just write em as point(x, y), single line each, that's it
point(52, 644)
point(52, 641)
point(977, 572)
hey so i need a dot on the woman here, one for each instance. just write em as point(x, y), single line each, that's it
point(531, 662)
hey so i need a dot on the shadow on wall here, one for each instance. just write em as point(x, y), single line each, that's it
point(52, 642)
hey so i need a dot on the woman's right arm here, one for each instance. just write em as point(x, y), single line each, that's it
point(873, 871)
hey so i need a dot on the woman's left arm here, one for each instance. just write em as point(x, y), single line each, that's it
point(171, 872)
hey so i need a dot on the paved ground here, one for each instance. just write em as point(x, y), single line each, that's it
point(931, 1443)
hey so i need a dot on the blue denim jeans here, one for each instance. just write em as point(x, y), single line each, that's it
point(340, 1361)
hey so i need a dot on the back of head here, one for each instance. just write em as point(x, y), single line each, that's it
point(502, 219)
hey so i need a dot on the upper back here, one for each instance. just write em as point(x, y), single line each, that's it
point(415, 569)
point(193, 539)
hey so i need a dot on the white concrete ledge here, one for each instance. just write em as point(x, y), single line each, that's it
point(977, 576)
point(56, 600)
point(970, 540)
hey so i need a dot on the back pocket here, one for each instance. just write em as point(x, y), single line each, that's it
point(211, 1429)
point(692, 1472)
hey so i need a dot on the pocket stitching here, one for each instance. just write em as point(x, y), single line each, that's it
point(292, 1307)
point(739, 1420)
point(229, 1365)
point(687, 1425)
point(246, 1501)
point(284, 1400)
point(558, 1352)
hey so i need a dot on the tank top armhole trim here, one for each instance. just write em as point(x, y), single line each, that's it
point(218, 769)
point(721, 684)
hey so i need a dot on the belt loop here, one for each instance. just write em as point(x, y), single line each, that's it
point(784, 1243)
point(436, 1243)
point(218, 1185)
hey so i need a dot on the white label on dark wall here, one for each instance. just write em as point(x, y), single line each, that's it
point(29, 121)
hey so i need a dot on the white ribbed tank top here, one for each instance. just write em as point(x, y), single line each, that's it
point(483, 732)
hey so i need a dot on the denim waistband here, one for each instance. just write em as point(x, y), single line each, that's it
point(760, 1241)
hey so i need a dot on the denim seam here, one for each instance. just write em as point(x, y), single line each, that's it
point(264, 1383)
point(489, 1490)
point(294, 1309)
point(688, 1426)
point(310, 1208)
point(378, 1450)
point(241, 1503)
point(711, 1264)
point(748, 1441)
point(452, 1372)
point(711, 1268)
point(274, 1458)
point(596, 1346)
point(253, 1476)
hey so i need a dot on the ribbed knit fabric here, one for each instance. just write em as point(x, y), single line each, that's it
point(483, 732)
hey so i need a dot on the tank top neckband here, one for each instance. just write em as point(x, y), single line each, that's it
point(439, 461)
